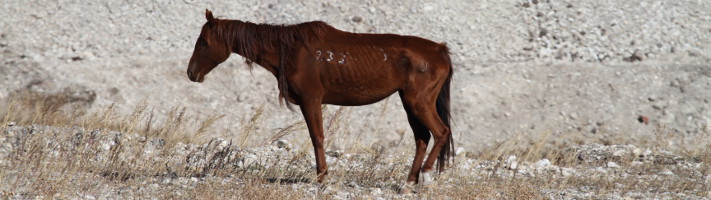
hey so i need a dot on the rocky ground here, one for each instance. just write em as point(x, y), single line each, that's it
point(570, 72)
point(107, 164)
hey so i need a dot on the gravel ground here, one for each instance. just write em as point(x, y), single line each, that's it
point(586, 68)
point(630, 171)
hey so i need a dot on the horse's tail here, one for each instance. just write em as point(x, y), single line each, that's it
point(443, 111)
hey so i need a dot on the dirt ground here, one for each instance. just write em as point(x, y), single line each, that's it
point(615, 72)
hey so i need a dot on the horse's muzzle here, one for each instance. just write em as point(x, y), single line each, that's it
point(195, 77)
point(191, 76)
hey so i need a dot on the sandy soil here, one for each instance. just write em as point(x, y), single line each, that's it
point(584, 68)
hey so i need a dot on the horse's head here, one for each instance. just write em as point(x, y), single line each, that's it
point(210, 50)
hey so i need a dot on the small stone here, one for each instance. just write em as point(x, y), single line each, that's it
point(573, 116)
point(334, 154)
point(283, 144)
point(249, 159)
point(459, 151)
point(646, 153)
point(636, 151)
point(428, 7)
point(511, 162)
point(667, 172)
point(643, 119)
point(356, 19)
point(566, 171)
point(376, 192)
point(619, 153)
point(363, 28)
point(542, 163)
point(223, 144)
point(612, 165)
point(601, 170)
point(652, 98)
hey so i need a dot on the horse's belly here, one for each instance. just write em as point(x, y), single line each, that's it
point(360, 79)
point(357, 94)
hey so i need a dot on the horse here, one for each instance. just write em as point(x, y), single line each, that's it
point(315, 63)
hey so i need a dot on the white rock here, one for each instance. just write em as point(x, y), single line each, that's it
point(107, 145)
point(459, 151)
point(313, 189)
point(667, 172)
point(543, 163)
point(566, 171)
point(601, 170)
point(222, 144)
point(376, 192)
point(636, 151)
point(511, 162)
point(248, 160)
point(612, 165)
point(619, 153)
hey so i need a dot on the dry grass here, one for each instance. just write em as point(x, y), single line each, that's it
point(167, 159)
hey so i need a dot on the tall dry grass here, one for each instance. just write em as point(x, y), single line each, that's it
point(64, 151)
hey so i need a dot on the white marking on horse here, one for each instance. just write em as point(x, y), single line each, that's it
point(330, 56)
point(318, 55)
point(343, 58)
point(385, 55)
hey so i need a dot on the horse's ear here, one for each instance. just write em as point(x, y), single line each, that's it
point(208, 16)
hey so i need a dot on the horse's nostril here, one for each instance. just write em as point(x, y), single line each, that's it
point(190, 74)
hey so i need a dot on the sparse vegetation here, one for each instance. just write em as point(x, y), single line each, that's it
point(57, 153)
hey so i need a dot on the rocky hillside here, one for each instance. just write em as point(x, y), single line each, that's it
point(612, 72)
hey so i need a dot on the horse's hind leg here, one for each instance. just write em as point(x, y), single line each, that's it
point(422, 138)
point(422, 102)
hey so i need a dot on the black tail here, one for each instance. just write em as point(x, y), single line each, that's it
point(443, 111)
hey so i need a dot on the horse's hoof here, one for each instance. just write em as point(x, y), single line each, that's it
point(408, 188)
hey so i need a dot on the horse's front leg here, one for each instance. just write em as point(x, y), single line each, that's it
point(311, 109)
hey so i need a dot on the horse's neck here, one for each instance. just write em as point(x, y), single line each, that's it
point(242, 39)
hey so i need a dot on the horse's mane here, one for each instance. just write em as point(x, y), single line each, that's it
point(249, 39)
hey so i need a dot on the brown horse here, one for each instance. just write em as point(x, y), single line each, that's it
point(316, 64)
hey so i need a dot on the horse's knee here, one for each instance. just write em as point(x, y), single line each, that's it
point(444, 134)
